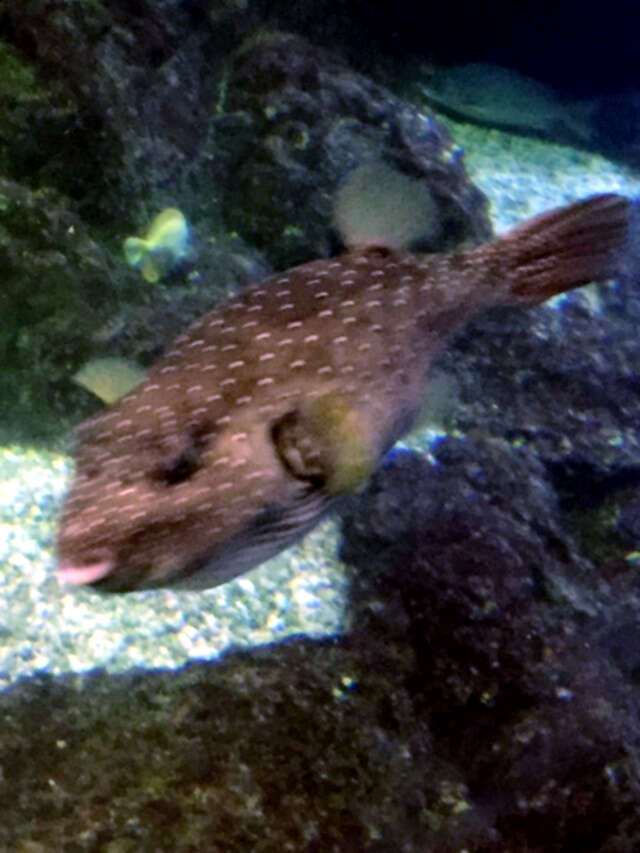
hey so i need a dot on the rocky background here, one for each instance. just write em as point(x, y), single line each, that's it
point(485, 694)
point(116, 111)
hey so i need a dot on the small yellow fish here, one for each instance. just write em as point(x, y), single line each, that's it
point(109, 378)
point(164, 247)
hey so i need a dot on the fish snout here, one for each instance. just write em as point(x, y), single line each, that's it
point(90, 573)
point(79, 565)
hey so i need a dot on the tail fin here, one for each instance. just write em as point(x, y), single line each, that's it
point(135, 249)
point(566, 247)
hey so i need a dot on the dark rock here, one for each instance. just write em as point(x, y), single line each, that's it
point(551, 381)
point(166, 103)
point(136, 89)
point(296, 121)
point(59, 284)
point(515, 641)
point(304, 750)
point(67, 297)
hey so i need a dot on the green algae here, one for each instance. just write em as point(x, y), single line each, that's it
point(596, 531)
point(17, 78)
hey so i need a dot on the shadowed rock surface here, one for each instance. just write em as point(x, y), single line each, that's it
point(517, 641)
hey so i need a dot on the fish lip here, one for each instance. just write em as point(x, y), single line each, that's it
point(77, 575)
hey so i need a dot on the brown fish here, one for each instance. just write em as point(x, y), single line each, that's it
point(271, 407)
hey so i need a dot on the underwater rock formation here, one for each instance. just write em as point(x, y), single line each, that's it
point(58, 284)
point(297, 119)
point(519, 655)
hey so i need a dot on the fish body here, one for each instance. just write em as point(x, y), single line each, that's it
point(271, 407)
point(165, 245)
point(500, 97)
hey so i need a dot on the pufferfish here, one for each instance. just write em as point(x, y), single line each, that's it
point(273, 406)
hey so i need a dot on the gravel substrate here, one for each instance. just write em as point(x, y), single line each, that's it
point(523, 177)
point(45, 627)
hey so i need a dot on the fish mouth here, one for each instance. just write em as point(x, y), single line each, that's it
point(77, 575)
point(103, 576)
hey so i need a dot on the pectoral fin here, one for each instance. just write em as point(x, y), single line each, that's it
point(326, 442)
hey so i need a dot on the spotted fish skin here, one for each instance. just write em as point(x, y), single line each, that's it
point(269, 408)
